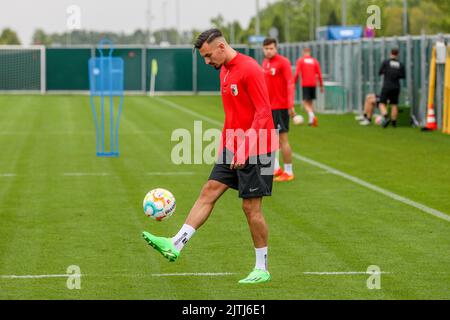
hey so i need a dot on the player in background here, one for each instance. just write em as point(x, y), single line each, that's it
point(278, 75)
point(247, 109)
point(309, 69)
point(392, 71)
point(372, 102)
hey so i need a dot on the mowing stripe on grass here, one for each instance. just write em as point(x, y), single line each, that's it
point(7, 174)
point(201, 274)
point(329, 169)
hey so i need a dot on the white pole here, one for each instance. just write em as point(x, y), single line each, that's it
point(43, 70)
point(344, 12)
point(257, 27)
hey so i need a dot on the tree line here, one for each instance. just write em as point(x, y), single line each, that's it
point(287, 20)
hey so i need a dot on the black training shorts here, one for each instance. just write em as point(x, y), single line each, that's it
point(389, 96)
point(253, 181)
point(281, 120)
point(308, 93)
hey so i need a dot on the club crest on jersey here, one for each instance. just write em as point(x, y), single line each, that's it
point(234, 89)
point(273, 71)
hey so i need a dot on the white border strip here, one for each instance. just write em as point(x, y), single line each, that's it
point(331, 170)
point(41, 276)
point(339, 273)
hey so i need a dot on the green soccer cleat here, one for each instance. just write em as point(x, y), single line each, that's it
point(257, 276)
point(162, 245)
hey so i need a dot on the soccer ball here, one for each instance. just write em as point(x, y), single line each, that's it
point(298, 119)
point(159, 204)
point(378, 119)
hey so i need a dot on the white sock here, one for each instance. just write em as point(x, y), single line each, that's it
point(183, 236)
point(288, 168)
point(311, 116)
point(261, 258)
point(277, 162)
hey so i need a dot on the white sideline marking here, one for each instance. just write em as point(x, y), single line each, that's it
point(7, 174)
point(373, 187)
point(331, 170)
point(332, 273)
point(192, 274)
point(40, 276)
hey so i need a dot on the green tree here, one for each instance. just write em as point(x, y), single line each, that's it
point(9, 36)
point(40, 37)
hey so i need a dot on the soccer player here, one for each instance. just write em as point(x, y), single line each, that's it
point(392, 70)
point(240, 165)
point(372, 102)
point(309, 69)
point(278, 76)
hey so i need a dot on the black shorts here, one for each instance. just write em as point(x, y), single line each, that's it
point(308, 93)
point(281, 120)
point(253, 181)
point(389, 96)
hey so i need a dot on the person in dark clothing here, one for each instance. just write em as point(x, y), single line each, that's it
point(392, 70)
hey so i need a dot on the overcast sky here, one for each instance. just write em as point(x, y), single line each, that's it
point(24, 16)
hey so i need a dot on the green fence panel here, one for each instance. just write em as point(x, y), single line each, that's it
point(67, 68)
point(132, 58)
point(174, 69)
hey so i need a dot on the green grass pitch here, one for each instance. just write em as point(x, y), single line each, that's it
point(60, 205)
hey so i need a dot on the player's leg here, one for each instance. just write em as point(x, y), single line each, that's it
point(260, 234)
point(394, 114)
point(394, 98)
point(203, 206)
point(286, 151)
point(369, 106)
point(285, 148)
point(308, 95)
point(309, 108)
point(278, 171)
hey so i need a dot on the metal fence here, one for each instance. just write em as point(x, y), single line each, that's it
point(353, 66)
point(350, 69)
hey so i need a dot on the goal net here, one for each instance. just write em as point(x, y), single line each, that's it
point(22, 68)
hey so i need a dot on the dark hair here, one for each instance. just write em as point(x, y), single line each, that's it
point(207, 36)
point(269, 41)
point(394, 52)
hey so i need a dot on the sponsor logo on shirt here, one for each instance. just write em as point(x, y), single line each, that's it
point(309, 61)
point(273, 71)
point(234, 89)
point(394, 64)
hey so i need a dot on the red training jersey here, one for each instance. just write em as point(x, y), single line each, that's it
point(278, 75)
point(309, 68)
point(247, 108)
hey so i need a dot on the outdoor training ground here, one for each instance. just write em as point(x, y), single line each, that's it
point(361, 197)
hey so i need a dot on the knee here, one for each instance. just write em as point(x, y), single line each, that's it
point(250, 211)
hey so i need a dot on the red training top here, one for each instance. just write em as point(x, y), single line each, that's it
point(278, 75)
point(309, 68)
point(247, 109)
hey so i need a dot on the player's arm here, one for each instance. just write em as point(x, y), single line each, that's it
point(382, 68)
point(297, 71)
point(319, 75)
point(257, 91)
point(402, 71)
